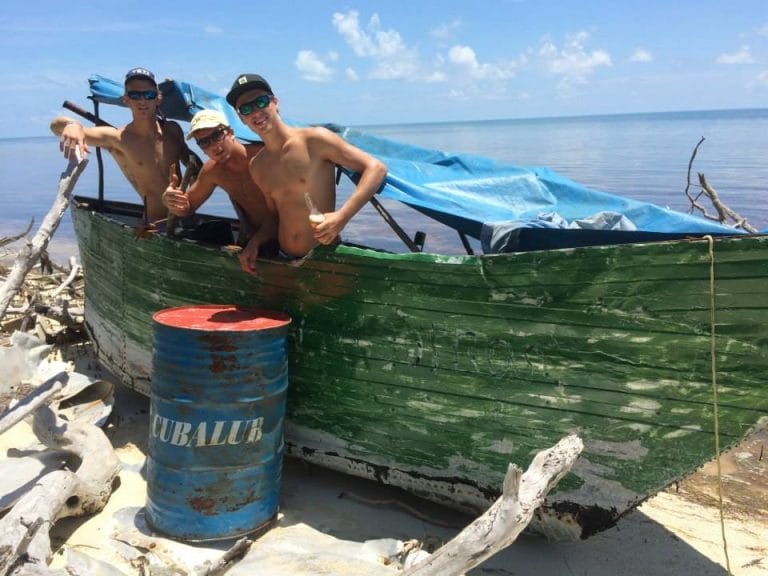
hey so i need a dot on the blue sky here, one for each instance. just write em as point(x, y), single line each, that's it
point(362, 62)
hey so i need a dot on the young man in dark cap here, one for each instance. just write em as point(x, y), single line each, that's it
point(296, 168)
point(145, 148)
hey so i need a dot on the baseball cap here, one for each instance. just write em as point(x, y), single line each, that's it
point(140, 73)
point(206, 119)
point(246, 82)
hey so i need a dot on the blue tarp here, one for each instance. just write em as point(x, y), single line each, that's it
point(502, 204)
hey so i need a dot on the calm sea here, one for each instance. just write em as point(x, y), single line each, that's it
point(643, 156)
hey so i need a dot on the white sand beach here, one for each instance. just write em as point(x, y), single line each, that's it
point(334, 524)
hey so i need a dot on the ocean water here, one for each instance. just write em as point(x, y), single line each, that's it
point(642, 156)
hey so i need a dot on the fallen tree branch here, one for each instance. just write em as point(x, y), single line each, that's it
point(31, 251)
point(237, 551)
point(42, 394)
point(723, 211)
point(73, 273)
point(501, 524)
point(24, 531)
point(10, 239)
point(690, 166)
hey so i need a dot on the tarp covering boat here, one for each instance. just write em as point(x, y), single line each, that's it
point(509, 208)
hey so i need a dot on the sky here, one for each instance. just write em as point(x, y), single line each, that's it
point(366, 63)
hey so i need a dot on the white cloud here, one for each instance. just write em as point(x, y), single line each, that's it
point(393, 58)
point(213, 30)
point(762, 78)
point(641, 55)
point(312, 67)
point(351, 74)
point(743, 56)
point(375, 42)
point(573, 63)
point(465, 58)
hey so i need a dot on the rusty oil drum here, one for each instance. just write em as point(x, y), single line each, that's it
point(217, 408)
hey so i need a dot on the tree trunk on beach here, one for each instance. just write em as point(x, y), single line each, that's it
point(24, 531)
point(503, 522)
point(30, 252)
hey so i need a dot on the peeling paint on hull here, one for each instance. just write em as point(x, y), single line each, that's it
point(433, 373)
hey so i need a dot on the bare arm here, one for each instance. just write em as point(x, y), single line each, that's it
point(372, 172)
point(74, 134)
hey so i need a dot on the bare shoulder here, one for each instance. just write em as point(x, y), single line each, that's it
point(321, 139)
point(321, 133)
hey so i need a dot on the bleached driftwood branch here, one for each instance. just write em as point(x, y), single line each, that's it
point(30, 252)
point(223, 563)
point(10, 239)
point(503, 522)
point(723, 211)
point(42, 394)
point(74, 271)
point(24, 532)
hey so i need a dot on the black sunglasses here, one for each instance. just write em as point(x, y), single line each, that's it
point(259, 102)
point(216, 136)
point(139, 94)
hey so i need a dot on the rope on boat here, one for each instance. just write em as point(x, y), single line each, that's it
point(715, 413)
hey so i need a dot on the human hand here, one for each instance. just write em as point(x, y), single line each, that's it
point(175, 199)
point(72, 138)
point(328, 230)
point(248, 257)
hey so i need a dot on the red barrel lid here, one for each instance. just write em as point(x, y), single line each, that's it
point(218, 317)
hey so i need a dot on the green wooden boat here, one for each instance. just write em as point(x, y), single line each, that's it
point(432, 373)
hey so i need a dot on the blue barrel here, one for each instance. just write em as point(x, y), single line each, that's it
point(217, 408)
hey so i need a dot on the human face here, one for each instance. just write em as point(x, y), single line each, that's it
point(215, 142)
point(255, 109)
point(215, 136)
point(142, 97)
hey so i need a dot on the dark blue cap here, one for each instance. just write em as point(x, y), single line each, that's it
point(140, 73)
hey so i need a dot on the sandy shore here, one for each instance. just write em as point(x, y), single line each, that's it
point(326, 519)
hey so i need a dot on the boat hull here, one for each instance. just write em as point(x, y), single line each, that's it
point(433, 373)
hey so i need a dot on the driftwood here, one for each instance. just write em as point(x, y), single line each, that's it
point(25, 545)
point(10, 239)
point(724, 213)
point(74, 272)
point(222, 564)
point(30, 252)
point(42, 394)
point(503, 522)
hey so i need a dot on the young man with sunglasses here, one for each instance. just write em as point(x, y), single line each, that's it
point(296, 170)
point(144, 149)
point(227, 167)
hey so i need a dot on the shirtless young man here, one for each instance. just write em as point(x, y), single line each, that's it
point(295, 161)
point(144, 149)
point(227, 167)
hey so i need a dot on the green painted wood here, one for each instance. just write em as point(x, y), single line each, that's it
point(453, 366)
